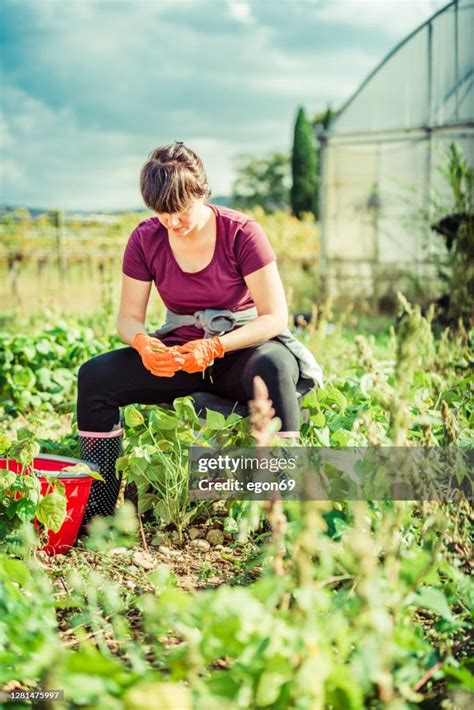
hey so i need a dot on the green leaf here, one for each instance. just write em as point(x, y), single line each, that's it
point(133, 417)
point(414, 563)
point(231, 525)
point(335, 396)
point(342, 690)
point(28, 451)
point(342, 437)
point(16, 570)
point(214, 420)
point(164, 512)
point(83, 468)
point(52, 511)
point(318, 419)
point(152, 695)
point(323, 436)
point(434, 600)
point(23, 378)
point(7, 479)
point(222, 684)
point(233, 418)
point(24, 434)
point(5, 443)
point(25, 509)
point(461, 677)
point(161, 420)
point(29, 352)
point(269, 688)
point(44, 376)
point(62, 376)
point(44, 346)
point(184, 408)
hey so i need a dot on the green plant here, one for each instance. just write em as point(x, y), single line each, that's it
point(261, 182)
point(21, 499)
point(39, 370)
point(28, 628)
point(295, 641)
point(456, 225)
point(304, 190)
point(156, 457)
point(329, 605)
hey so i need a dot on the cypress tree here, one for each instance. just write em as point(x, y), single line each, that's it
point(304, 191)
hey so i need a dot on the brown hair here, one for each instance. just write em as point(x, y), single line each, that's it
point(172, 176)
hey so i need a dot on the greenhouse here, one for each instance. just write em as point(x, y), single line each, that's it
point(382, 161)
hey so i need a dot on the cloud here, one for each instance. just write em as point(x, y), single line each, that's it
point(46, 153)
point(90, 87)
point(241, 12)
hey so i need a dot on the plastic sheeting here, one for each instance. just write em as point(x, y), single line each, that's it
point(381, 159)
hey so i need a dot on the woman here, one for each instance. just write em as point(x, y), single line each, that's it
point(227, 316)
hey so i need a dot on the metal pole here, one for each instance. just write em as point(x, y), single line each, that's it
point(322, 213)
point(429, 137)
point(456, 56)
point(430, 75)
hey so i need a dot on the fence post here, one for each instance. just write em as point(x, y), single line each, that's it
point(57, 220)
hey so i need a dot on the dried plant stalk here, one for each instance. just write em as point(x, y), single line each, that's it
point(449, 423)
point(262, 413)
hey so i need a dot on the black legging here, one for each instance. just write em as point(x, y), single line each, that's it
point(117, 378)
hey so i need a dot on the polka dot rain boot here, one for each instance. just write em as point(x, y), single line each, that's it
point(102, 449)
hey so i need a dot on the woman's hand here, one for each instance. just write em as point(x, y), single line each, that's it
point(199, 354)
point(158, 358)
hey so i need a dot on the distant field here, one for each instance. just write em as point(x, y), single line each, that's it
point(73, 265)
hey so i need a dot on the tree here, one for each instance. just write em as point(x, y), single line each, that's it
point(303, 196)
point(322, 120)
point(263, 181)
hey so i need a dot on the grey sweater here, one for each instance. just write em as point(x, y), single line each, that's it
point(218, 322)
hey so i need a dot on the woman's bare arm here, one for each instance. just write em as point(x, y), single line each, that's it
point(132, 310)
point(267, 292)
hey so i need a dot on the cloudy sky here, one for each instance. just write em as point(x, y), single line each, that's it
point(89, 87)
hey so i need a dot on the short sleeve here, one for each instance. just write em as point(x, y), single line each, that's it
point(252, 248)
point(134, 262)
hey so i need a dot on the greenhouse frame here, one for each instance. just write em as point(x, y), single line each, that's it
point(382, 158)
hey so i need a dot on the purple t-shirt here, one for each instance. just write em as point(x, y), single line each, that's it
point(241, 248)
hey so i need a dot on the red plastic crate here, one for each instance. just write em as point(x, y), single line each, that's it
point(77, 488)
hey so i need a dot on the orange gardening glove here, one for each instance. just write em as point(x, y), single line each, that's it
point(158, 358)
point(199, 354)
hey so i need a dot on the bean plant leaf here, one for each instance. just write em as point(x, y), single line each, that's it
point(184, 408)
point(434, 600)
point(269, 687)
point(166, 696)
point(318, 419)
point(133, 417)
point(7, 480)
point(24, 509)
point(461, 677)
point(51, 511)
point(5, 443)
point(16, 570)
point(23, 377)
point(161, 420)
point(214, 420)
point(83, 468)
point(28, 451)
point(335, 396)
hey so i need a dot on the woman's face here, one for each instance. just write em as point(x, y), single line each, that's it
point(184, 222)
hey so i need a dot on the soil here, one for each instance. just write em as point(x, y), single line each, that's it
point(196, 564)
